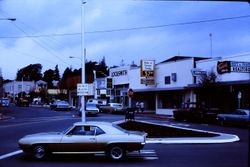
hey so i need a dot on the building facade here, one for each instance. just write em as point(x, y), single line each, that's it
point(176, 80)
point(12, 89)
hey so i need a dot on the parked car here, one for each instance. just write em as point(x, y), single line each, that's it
point(85, 137)
point(22, 102)
point(91, 109)
point(238, 117)
point(196, 112)
point(5, 102)
point(191, 111)
point(60, 105)
point(113, 108)
point(97, 102)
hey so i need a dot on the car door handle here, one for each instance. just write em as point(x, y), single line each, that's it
point(91, 138)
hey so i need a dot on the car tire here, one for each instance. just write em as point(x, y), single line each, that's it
point(116, 152)
point(39, 151)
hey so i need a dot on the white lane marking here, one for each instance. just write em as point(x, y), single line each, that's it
point(10, 154)
point(146, 154)
point(36, 122)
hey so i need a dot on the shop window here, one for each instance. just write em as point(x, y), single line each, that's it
point(167, 80)
point(169, 100)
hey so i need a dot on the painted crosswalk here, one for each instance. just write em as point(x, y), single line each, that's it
point(142, 154)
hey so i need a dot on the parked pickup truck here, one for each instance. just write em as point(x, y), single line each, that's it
point(195, 112)
point(113, 108)
point(22, 102)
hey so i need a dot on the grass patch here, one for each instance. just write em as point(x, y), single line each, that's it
point(158, 131)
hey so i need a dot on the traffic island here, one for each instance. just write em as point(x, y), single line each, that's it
point(169, 134)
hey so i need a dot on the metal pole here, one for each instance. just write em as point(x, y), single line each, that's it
point(95, 85)
point(83, 52)
point(211, 44)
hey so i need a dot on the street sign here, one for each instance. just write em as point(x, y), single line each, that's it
point(82, 89)
point(197, 72)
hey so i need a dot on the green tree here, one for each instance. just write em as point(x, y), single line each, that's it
point(56, 76)
point(31, 72)
point(48, 76)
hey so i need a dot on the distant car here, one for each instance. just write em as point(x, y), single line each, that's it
point(238, 117)
point(190, 111)
point(91, 109)
point(113, 108)
point(60, 105)
point(5, 102)
point(22, 102)
point(85, 137)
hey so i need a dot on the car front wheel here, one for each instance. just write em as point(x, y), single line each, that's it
point(39, 152)
point(116, 152)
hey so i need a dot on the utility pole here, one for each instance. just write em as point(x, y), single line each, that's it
point(83, 55)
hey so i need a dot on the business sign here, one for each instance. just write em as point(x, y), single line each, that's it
point(119, 73)
point(243, 67)
point(147, 72)
point(198, 72)
point(233, 66)
point(223, 67)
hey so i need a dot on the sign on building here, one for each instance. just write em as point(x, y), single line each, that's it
point(147, 72)
point(233, 66)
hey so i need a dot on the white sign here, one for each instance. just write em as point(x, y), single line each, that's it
point(148, 65)
point(82, 89)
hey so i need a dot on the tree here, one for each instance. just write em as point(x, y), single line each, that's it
point(48, 76)
point(207, 87)
point(51, 75)
point(56, 76)
point(31, 72)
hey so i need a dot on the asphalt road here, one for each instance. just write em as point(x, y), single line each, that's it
point(32, 120)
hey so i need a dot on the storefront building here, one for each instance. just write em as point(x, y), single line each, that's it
point(232, 81)
point(165, 86)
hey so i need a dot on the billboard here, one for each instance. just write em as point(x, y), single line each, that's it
point(147, 72)
point(233, 66)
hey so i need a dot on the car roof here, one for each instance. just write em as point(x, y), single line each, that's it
point(106, 126)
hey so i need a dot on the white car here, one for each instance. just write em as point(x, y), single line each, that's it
point(60, 105)
point(113, 108)
point(85, 138)
point(91, 109)
point(238, 117)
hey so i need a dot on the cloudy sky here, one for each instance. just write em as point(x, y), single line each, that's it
point(49, 31)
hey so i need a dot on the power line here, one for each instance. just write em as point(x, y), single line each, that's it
point(172, 24)
point(134, 28)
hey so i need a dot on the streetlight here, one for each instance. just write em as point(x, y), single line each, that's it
point(211, 44)
point(10, 19)
point(83, 54)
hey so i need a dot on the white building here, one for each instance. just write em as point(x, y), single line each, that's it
point(13, 88)
point(175, 81)
point(233, 80)
point(169, 88)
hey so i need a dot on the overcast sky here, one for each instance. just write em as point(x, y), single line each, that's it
point(49, 31)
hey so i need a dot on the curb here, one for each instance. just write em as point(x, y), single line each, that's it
point(221, 138)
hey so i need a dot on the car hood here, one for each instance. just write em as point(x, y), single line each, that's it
point(45, 137)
